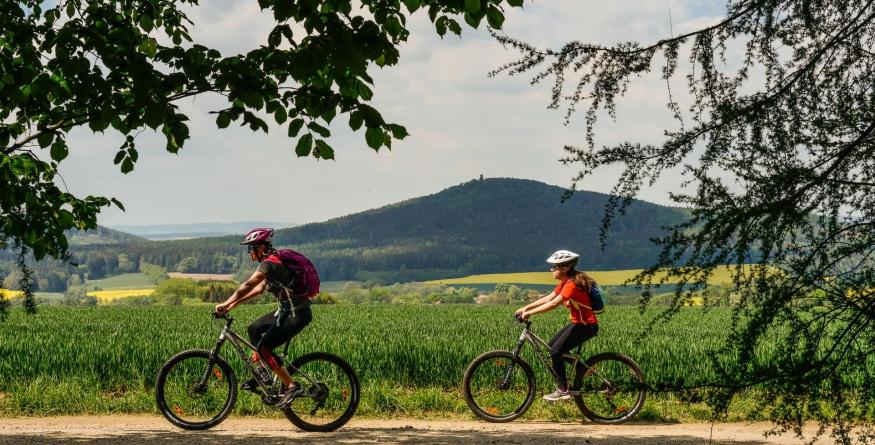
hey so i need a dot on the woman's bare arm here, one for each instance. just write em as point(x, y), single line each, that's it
point(544, 307)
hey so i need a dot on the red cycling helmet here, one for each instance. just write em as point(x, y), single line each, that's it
point(258, 236)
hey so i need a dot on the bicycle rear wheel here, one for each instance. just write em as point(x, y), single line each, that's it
point(612, 388)
point(331, 392)
point(192, 394)
point(499, 387)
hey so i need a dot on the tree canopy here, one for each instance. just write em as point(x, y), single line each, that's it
point(123, 66)
point(776, 147)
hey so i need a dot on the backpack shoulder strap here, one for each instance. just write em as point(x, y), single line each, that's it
point(273, 258)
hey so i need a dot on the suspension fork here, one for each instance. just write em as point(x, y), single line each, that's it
point(213, 356)
point(519, 345)
point(516, 355)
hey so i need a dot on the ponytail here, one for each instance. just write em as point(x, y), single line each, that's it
point(581, 280)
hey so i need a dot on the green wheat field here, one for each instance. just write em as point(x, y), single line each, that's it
point(410, 359)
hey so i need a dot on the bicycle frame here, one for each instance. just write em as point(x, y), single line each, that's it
point(239, 343)
point(542, 350)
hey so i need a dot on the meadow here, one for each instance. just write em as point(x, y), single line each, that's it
point(410, 359)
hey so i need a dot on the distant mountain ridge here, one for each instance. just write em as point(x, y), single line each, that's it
point(101, 235)
point(195, 230)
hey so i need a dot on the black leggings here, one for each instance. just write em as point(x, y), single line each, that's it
point(272, 330)
point(568, 338)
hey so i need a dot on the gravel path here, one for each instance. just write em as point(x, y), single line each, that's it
point(140, 430)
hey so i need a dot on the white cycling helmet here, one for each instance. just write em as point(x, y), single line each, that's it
point(562, 256)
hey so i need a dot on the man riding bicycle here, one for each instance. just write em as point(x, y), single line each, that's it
point(276, 327)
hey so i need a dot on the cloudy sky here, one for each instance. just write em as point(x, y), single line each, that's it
point(462, 124)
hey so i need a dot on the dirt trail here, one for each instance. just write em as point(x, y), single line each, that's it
point(140, 430)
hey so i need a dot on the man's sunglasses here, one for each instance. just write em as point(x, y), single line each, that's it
point(555, 267)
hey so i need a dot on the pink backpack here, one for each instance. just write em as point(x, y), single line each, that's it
point(306, 279)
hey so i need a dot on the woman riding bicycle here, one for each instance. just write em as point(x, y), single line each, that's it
point(276, 327)
point(573, 291)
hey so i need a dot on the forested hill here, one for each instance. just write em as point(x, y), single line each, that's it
point(101, 235)
point(481, 226)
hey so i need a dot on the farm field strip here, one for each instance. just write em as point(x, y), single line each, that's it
point(10, 294)
point(124, 281)
point(201, 276)
point(722, 275)
point(110, 295)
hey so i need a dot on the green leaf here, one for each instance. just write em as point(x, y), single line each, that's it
point(253, 100)
point(275, 37)
point(149, 47)
point(59, 151)
point(355, 120)
point(117, 204)
point(287, 32)
point(494, 17)
point(398, 131)
point(323, 150)
point(305, 144)
point(146, 23)
point(66, 218)
point(127, 165)
point(223, 120)
point(412, 5)
point(328, 115)
point(318, 129)
point(473, 19)
point(472, 6)
point(98, 124)
point(515, 3)
point(119, 156)
point(454, 27)
point(441, 25)
point(295, 127)
point(154, 115)
point(45, 139)
point(280, 115)
point(371, 116)
point(374, 137)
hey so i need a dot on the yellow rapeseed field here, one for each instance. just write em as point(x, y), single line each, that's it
point(605, 278)
point(109, 295)
point(10, 294)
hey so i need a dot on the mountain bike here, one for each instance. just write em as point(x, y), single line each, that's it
point(197, 389)
point(499, 386)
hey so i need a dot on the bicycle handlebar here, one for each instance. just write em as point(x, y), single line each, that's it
point(217, 316)
point(522, 320)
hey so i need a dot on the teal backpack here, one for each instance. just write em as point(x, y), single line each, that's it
point(597, 298)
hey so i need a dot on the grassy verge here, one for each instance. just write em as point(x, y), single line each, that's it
point(48, 397)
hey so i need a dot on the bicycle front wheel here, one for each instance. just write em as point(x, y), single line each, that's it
point(331, 392)
point(193, 393)
point(498, 386)
point(611, 386)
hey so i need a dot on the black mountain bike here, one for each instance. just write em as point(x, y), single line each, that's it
point(196, 389)
point(499, 386)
